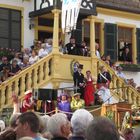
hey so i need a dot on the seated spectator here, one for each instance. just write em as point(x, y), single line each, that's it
point(126, 56)
point(14, 68)
point(26, 52)
point(97, 50)
point(138, 89)
point(25, 63)
point(34, 58)
point(42, 52)
point(49, 45)
point(102, 129)
point(108, 60)
point(84, 49)
point(120, 73)
point(37, 46)
point(76, 102)
point(59, 126)
point(6, 73)
point(17, 58)
point(5, 63)
point(103, 57)
point(79, 125)
point(64, 104)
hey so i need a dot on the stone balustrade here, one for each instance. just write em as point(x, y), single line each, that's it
point(125, 92)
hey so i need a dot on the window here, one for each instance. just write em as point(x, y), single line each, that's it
point(10, 29)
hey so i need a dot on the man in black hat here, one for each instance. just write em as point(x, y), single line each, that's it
point(79, 82)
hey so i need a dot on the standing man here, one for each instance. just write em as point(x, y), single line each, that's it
point(79, 82)
point(71, 47)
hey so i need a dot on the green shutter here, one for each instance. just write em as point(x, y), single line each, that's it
point(111, 40)
point(138, 45)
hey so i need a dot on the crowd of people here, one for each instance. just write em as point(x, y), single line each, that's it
point(82, 126)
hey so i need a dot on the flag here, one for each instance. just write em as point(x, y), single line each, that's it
point(70, 12)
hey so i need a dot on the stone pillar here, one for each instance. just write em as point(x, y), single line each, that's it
point(56, 13)
point(134, 44)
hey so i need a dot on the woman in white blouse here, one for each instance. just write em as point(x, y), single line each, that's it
point(34, 57)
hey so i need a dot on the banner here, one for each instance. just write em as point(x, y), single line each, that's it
point(70, 12)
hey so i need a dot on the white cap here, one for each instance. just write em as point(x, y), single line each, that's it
point(28, 91)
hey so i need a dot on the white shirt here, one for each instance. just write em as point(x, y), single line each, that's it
point(32, 60)
point(42, 53)
point(98, 54)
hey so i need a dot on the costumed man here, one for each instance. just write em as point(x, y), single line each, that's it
point(27, 103)
point(79, 81)
point(64, 104)
point(76, 102)
point(103, 81)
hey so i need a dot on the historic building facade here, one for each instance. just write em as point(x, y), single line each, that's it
point(112, 23)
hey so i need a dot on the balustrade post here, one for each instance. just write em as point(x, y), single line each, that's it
point(134, 97)
point(3, 97)
point(35, 78)
point(22, 85)
point(17, 86)
point(46, 70)
point(41, 73)
point(29, 81)
point(138, 101)
point(9, 93)
point(129, 96)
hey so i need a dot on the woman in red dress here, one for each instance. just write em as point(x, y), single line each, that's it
point(89, 89)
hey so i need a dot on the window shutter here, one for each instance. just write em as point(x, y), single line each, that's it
point(110, 31)
point(138, 45)
point(10, 29)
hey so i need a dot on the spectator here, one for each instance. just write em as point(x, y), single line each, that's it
point(49, 45)
point(97, 50)
point(28, 125)
point(84, 49)
point(126, 56)
point(17, 58)
point(79, 125)
point(5, 63)
point(26, 52)
point(59, 126)
point(120, 73)
point(6, 73)
point(103, 57)
point(34, 57)
point(14, 68)
point(42, 52)
point(108, 60)
point(76, 102)
point(102, 129)
point(72, 47)
point(25, 63)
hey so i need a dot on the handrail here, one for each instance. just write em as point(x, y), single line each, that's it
point(31, 77)
point(128, 93)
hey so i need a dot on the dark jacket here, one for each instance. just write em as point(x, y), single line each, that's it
point(59, 138)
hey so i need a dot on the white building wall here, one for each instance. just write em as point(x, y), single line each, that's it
point(28, 7)
point(113, 19)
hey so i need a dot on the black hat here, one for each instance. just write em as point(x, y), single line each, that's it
point(80, 66)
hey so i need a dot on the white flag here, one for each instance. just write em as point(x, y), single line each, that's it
point(70, 12)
